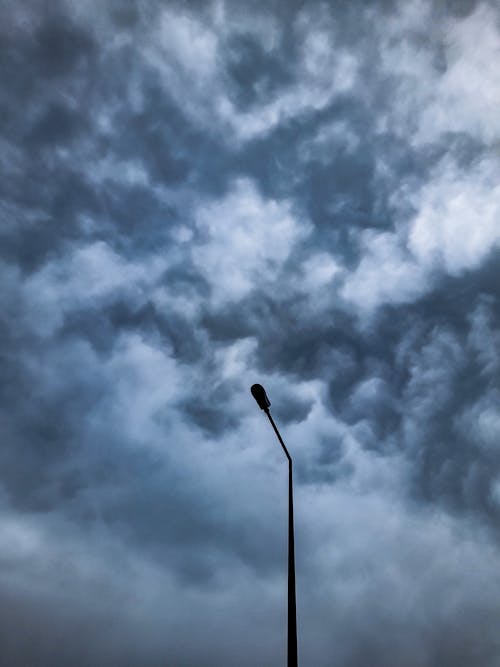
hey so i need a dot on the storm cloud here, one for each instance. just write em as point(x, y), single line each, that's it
point(199, 196)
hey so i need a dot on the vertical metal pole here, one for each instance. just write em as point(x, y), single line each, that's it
point(292, 607)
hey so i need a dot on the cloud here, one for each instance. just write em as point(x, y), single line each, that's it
point(260, 235)
point(443, 70)
point(197, 59)
point(456, 225)
point(386, 273)
point(470, 84)
point(197, 197)
point(453, 229)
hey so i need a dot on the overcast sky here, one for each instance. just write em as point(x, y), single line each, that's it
point(197, 196)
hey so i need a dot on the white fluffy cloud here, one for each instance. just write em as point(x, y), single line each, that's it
point(466, 97)
point(188, 51)
point(456, 225)
point(86, 274)
point(387, 273)
point(244, 240)
point(462, 92)
point(458, 219)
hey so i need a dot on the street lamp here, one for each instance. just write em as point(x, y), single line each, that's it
point(259, 393)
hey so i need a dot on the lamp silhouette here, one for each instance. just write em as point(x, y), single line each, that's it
point(259, 393)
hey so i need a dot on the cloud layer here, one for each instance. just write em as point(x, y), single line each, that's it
point(199, 196)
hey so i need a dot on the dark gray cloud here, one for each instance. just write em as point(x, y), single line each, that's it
point(196, 197)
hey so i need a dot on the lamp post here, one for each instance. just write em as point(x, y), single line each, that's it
point(259, 393)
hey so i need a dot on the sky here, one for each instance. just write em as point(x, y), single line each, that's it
point(197, 196)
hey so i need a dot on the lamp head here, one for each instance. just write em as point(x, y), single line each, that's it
point(259, 393)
